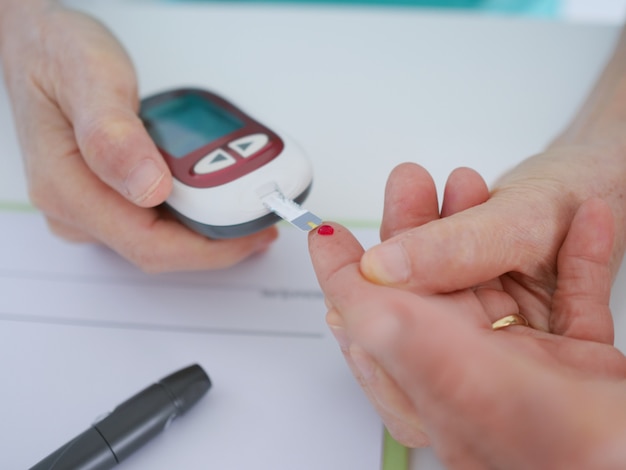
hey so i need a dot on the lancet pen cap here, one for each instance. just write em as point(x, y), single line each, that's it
point(187, 386)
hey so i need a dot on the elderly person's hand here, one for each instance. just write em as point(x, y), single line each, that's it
point(515, 231)
point(510, 237)
point(516, 397)
point(91, 167)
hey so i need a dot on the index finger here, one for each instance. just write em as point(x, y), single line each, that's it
point(363, 306)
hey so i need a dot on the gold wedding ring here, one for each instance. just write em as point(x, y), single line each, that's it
point(509, 320)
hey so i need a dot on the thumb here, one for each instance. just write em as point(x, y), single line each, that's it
point(101, 102)
point(462, 250)
point(118, 149)
point(581, 300)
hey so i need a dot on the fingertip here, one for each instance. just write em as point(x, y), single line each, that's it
point(265, 239)
point(332, 246)
point(325, 230)
point(119, 150)
point(234, 251)
point(410, 200)
point(324, 233)
point(334, 237)
point(317, 240)
point(464, 188)
point(386, 264)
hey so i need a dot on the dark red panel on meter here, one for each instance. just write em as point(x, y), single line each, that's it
point(205, 140)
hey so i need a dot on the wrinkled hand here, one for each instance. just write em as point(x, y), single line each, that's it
point(512, 398)
point(91, 167)
point(511, 236)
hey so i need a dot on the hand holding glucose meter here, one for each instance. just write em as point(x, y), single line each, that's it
point(232, 175)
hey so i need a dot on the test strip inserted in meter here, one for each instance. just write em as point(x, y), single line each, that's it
point(287, 209)
point(223, 162)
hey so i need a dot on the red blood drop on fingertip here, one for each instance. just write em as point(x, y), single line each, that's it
point(325, 230)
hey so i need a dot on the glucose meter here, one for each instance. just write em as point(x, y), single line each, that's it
point(231, 173)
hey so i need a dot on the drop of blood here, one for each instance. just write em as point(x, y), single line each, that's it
point(325, 230)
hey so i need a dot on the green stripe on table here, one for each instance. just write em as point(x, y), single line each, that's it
point(395, 455)
point(16, 206)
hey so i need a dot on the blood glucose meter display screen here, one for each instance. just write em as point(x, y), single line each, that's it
point(182, 125)
point(205, 140)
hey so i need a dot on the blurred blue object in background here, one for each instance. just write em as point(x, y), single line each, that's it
point(544, 8)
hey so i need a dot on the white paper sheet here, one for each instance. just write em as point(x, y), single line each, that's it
point(81, 330)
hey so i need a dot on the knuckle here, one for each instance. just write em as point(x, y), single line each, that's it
point(43, 196)
point(66, 232)
point(52, 197)
point(100, 133)
point(383, 328)
point(39, 198)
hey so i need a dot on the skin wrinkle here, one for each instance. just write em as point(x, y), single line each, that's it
point(492, 410)
point(71, 234)
point(599, 187)
point(372, 378)
point(530, 238)
point(106, 143)
point(40, 184)
point(404, 424)
point(84, 61)
point(564, 393)
point(410, 352)
point(62, 68)
point(465, 259)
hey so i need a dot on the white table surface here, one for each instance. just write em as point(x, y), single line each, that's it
point(365, 89)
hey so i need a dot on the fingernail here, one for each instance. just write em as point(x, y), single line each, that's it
point(142, 180)
point(386, 264)
point(335, 323)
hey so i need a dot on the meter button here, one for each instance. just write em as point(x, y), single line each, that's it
point(214, 161)
point(249, 145)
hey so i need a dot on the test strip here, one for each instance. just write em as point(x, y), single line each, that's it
point(273, 198)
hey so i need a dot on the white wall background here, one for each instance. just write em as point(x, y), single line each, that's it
point(602, 11)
